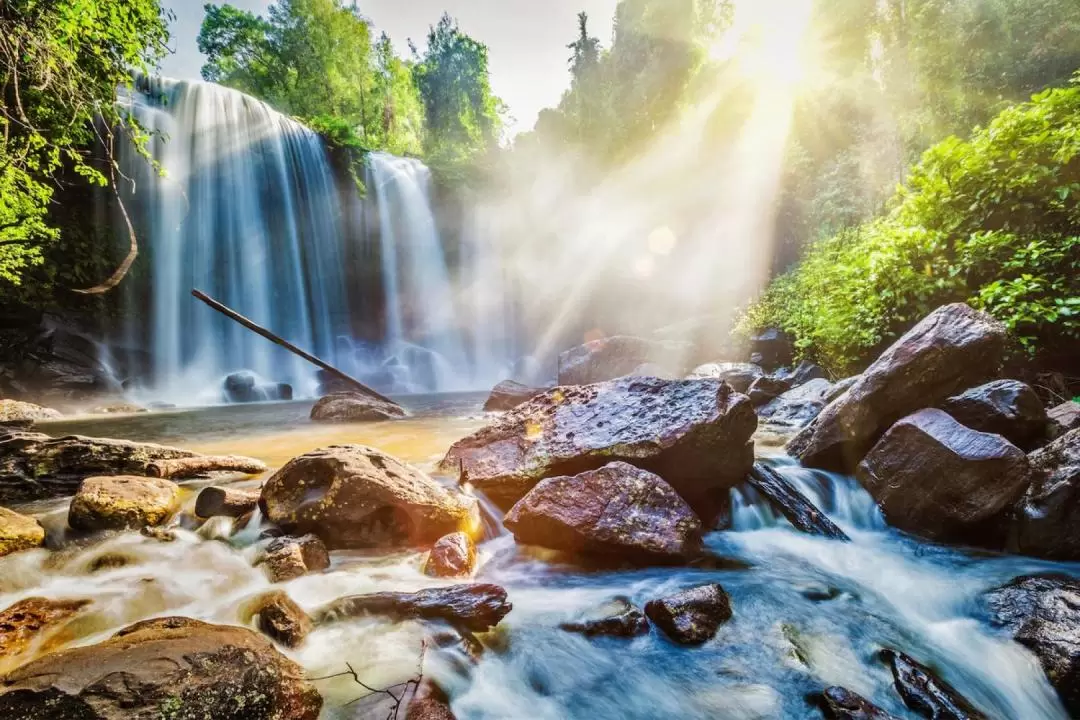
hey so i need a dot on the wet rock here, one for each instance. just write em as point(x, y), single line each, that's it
point(937, 478)
point(629, 622)
point(696, 434)
point(739, 376)
point(16, 412)
point(279, 618)
point(797, 406)
point(804, 372)
point(354, 496)
point(693, 616)
point(925, 693)
point(508, 394)
point(473, 607)
point(287, 558)
point(1006, 407)
point(1063, 418)
point(614, 357)
point(239, 387)
point(123, 503)
point(792, 504)
point(163, 668)
point(1042, 613)
point(19, 532)
point(233, 502)
point(453, 555)
point(618, 511)
point(1047, 519)
point(767, 387)
point(841, 704)
point(354, 407)
point(35, 466)
point(773, 348)
point(952, 349)
point(33, 622)
point(429, 703)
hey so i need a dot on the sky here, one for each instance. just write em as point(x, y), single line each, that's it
point(527, 40)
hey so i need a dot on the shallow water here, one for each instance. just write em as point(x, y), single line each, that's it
point(808, 612)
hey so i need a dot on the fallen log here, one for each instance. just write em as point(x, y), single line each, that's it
point(790, 503)
point(259, 330)
point(195, 466)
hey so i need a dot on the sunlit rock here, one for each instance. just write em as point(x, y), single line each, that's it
point(453, 555)
point(34, 623)
point(1047, 519)
point(508, 394)
point(614, 357)
point(19, 532)
point(279, 618)
point(738, 375)
point(287, 558)
point(20, 413)
point(354, 407)
point(1006, 407)
point(123, 503)
point(429, 703)
point(693, 616)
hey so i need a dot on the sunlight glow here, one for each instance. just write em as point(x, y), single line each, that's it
point(769, 40)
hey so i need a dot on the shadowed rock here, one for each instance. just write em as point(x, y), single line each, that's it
point(123, 503)
point(475, 607)
point(693, 616)
point(453, 555)
point(1006, 407)
point(354, 407)
point(925, 693)
point(797, 406)
point(508, 394)
point(19, 532)
point(792, 504)
point(1047, 520)
point(841, 704)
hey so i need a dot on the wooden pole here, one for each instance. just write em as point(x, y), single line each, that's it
point(259, 330)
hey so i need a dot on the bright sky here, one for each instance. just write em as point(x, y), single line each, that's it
point(527, 40)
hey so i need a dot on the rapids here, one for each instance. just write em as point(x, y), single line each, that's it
point(808, 612)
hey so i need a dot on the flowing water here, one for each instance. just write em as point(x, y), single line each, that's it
point(808, 612)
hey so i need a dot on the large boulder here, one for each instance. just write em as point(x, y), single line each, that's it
point(937, 478)
point(34, 623)
point(475, 608)
point(1047, 520)
point(1042, 613)
point(693, 616)
point(354, 496)
point(354, 407)
point(169, 667)
point(618, 511)
point(508, 394)
point(738, 375)
point(16, 412)
point(123, 503)
point(614, 357)
point(1063, 418)
point(696, 434)
point(1009, 408)
point(951, 349)
point(797, 406)
point(19, 532)
point(35, 466)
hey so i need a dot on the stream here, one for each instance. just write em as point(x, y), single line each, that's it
point(808, 612)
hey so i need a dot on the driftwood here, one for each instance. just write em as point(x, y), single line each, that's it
point(259, 330)
point(226, 501)
point(199, 465)
point(789, 502)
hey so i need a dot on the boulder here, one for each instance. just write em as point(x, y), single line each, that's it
point(766, 388)
point(1006, 407)
point(123, 502)
point(797, 406)
point(925, 693)
point(696, 434)
point(628, 622)
point(840, 387)
point(475, 607)
point(613, 357)
point(354, 407)
point(618, 511)
point(792, 504)
point(354, 496)
point(1047, 519)
point(19, 532)
point(1042, 613)
point(952, 349)
point(772, 348)
point(693, 616)
point(740, 376)
point(169, 667)
point(841, 704)
point(1063, 418)
point(937, 478)
point(287, 558)
point(226, 501)
point(508, 394)
point(14, 411)
point(279, 618)
point(452, 555)
point(36, 623)
point(35, 466)
point(803, 373)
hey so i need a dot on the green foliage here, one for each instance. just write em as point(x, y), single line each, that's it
point(62, 63)
point(994, 221)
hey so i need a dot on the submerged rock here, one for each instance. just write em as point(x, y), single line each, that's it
point(613, 357)
point(953, 348)
point(1006, 407)
point(287, 558)
point(35, 466)
point(927, 694)
point(34, 622)
point(1042, 613)
point(19, 532)
point(630, 622)
point(1047, 519)
point(937, 478)
point(693, 616)
point(841, 704)
point(1063, 418)
point(279, 618)
point(618, 511)
point(170, 667)
point(792, 504)
point(354, 407)
point(695, 434)
point(354, 496)
point(474, 607)
point(797, 406)
point(739, 376)
point(24, 413)
point(453, 555)
point(123, 503)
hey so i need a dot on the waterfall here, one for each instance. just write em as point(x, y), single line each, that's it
point(250, 209)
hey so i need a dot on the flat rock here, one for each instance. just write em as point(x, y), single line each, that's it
point(1009, 408)
point(508, 394)
point(934, 477)
point(926, 693)
point(696, 434)
point(36, 622)
point(123, 503)
point(354, 496)
point(452, 555)
point(950, 350)
point(169, 667)
point(693, 616)
point(739, 376)
point(278, 617)
point(797, 406)
point(613, 357)
point(287, 558)
point(618, 511)
point(18, 412)
point(1047, 519)
point(841, 704)
point(19, 532)
point(472, 607)
point(354, 407)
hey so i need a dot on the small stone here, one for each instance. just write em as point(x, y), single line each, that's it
point(693, 616)
point(453, 555)
point(280, 619)
point(287, 558)
point(630, 622)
